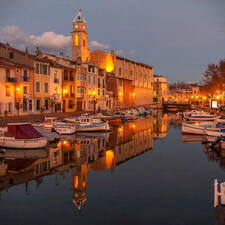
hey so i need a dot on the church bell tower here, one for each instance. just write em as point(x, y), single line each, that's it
point(80, 51)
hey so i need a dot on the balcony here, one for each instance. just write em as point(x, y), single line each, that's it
point(11, 79)
point(56, 80)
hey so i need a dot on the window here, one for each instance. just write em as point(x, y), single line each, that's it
point(7, 73)
point(37, 104)
point(84, 41)
point(70, 104)
point(46, 87)
point(120, 71)
point(44, 69)
point(37, 86)
point(103, 92)
point(7, 90)
point(66, 75)
point(99, 84)
point(103, 83)
point(71, 76)
point(24, 105)
point(24, 89)
point(37, 68)
point(11, 55)
point(71, 90)
point(10, 107)
point(81, 77)
point(46, 104)
point(25, 75)
point(30, 105)
point(80, 90)
point(91, 69)
point(94, 80)
point(76, 40)
point(98, 91)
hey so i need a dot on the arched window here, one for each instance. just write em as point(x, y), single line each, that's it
point(84, 41)
point(76, 40)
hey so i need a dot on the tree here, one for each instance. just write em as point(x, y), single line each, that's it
point(214, 78)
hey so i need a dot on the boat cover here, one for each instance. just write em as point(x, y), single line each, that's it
point(23, 131)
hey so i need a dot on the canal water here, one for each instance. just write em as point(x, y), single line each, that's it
point(143, 172)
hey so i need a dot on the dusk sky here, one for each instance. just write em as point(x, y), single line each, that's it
point(177, 37)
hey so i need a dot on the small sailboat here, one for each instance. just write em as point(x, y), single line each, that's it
point(21, 136)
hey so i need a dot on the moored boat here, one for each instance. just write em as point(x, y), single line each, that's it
point(64, 128)
point(195, 128)
point(200, 116)
point(94, 127)
point(22, 136)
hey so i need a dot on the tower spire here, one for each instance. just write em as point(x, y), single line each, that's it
point(79, 17)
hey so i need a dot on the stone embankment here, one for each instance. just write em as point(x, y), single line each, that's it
point(36, 118)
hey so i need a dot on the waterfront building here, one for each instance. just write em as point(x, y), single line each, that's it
point(56, 75)
point(63, 78)
point(18, 82)
point(41, 83)
point(160, 89)
point(134, 80)
point(189, 93)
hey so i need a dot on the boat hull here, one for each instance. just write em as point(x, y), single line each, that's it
point(65, 130)
point(193, 129)
point(201, 118)
point(10, 142)
point(103, 127)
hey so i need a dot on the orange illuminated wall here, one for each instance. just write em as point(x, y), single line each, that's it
point(103, 59)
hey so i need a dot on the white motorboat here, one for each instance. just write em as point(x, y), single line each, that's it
point(64, 128)
point(93, 127)
point(47, 124)
point(22, 136)
point(200, 116)
point(85, 119)
point(202, 127)
point(52, 124)
point(195, 128)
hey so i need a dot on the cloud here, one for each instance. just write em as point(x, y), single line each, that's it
point(121, 52)
point(97, 45)
point(13, 35)
point(51, 41)
point(46, 41)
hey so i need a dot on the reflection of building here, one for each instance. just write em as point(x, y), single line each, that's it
point(79, 182)
point(81, 155)
point(160, 125)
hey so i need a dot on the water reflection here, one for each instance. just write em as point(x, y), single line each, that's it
point(81, 154)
